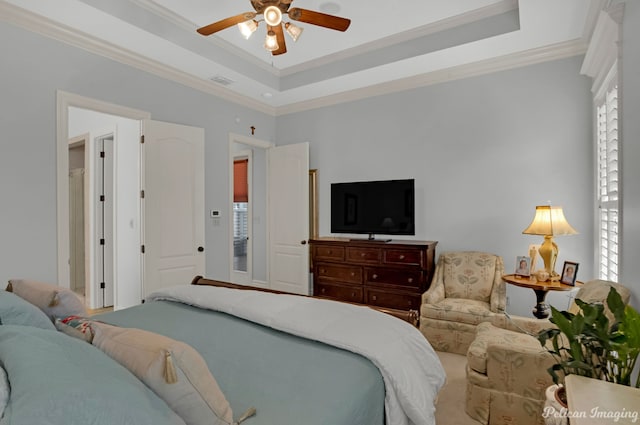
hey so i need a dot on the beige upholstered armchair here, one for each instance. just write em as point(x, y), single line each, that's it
point(467, 289)
point(507, 368)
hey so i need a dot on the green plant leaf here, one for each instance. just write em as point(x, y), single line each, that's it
point(617, 307)
point(630, 326)
point(563, 320)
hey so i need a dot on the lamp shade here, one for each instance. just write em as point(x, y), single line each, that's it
point(293, 30)
point(271, 42)
point(549, 221)
point(248, 27)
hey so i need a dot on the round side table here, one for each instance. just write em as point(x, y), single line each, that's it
point(541, 309)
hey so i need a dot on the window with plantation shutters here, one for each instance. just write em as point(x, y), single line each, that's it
point(607, 147)
point(601, 63)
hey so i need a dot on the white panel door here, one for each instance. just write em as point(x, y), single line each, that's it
point(288, 189)
point(173, 184)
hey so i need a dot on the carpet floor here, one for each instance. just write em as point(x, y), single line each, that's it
point(451, 400)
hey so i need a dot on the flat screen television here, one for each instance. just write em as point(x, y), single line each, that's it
point(385, 207)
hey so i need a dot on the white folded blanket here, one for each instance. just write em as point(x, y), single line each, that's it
point(411, 370)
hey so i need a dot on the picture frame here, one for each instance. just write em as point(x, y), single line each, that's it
point(569, 273)
point(523, 266)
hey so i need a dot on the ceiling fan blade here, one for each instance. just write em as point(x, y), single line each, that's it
point(226, 23)
point(282, 45)
point(320, 19)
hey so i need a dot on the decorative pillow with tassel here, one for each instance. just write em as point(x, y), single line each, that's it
point(54, 301)
point(175, 371)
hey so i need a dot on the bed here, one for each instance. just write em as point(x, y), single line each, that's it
point(294, 359)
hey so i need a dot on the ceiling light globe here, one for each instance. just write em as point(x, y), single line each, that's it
point(293, 30)
point(271, 42)
point(272, 16)
point(247, 28)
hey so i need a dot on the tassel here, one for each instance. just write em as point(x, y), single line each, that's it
point(170, 375)
point(246, 415)
point(55, 300)
point(9, 287)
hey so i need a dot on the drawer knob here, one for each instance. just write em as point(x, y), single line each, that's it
point(353, 273)
point(374, 297)
point(362, 254)
point(401, 257)
point(410, 280)
point(329, 252)
point(322, 271)
point(353, 295)
point(322, 290)
point(375, 276)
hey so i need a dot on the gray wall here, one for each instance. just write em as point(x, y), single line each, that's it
point(630, 99)
point(33, 68)
point(484, 152)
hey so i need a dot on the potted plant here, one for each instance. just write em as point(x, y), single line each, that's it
point(587, 343)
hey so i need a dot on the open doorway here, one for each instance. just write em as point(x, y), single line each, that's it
point(86, 122)
point(111, 211)
point(241, 212)
point(78, 222)
point(248, 211)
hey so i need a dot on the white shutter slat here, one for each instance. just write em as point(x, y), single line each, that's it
point(608, 183)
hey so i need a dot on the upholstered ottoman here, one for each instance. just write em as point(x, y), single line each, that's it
point(506, 377)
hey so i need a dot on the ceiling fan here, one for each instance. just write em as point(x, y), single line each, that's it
point(272, 12)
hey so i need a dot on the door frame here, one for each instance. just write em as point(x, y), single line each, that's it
point(255, 143)
point(64, 101)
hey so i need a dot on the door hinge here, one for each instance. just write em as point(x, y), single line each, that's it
point(101, 198)
point(142, 249)
point(142, 138)
point(102, 241)
point(102, 154)
point(142, 194)
point(103, 285)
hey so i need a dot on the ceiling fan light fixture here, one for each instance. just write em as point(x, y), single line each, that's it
point(293, 30)
point(272, 16)
point(247, 28)
point(271, 42)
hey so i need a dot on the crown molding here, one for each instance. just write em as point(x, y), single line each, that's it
point(65, 34)
point(501, 63)
point(432, 28)
point(49, 28)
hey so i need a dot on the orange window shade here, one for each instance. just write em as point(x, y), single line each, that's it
point(240, 181)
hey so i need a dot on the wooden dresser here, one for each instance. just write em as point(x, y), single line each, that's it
point(385, 274)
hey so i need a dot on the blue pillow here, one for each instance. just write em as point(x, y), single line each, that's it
point(59, 380)
point(16, 311)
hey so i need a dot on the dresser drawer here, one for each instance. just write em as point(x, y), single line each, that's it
point(338, 273)
point(399, 277)
point(339, 292)
point(392, 299)
point(364, 255)
point(329, 253)
point(405, 257)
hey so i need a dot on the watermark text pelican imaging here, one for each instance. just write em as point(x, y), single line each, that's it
point(607, 416)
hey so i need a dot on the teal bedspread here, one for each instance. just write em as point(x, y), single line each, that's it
point(290, 380)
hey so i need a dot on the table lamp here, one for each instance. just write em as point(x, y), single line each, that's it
point(549, 222)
